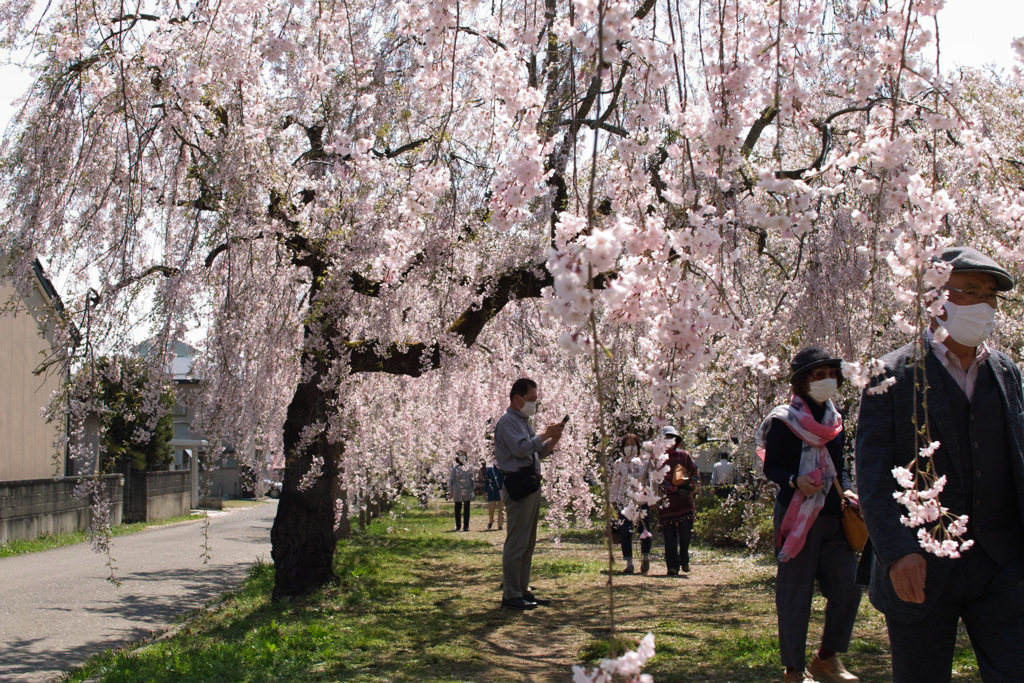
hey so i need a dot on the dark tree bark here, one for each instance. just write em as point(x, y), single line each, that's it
point(302, 537)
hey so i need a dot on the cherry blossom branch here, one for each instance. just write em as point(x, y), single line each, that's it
point(414, 359)
point(491, 39)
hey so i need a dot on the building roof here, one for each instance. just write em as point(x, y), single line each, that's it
point(181, 364)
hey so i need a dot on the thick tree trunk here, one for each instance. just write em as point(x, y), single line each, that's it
point(302, 537)
point(343, 528)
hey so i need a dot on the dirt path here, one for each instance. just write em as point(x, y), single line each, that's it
point(716, 623)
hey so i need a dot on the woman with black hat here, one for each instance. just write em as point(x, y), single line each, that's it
point(802, 446)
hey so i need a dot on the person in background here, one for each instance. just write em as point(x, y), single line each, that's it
point(460, 488)
point(626, 473)
point(723, 476)
point(493, 481)
point(802, 443)
point(677, 512)
point(968, 397)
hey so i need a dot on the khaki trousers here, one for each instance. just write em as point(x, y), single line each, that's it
point(520, 540)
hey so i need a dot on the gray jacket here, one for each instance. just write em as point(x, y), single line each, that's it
point(886, 438)
point(460, 483)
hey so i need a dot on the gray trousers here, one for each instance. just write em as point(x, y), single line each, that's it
point(827, 557)
point(520, 539)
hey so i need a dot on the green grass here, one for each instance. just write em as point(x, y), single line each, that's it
point(49, 541)
point(413, 602)
point(242, 503)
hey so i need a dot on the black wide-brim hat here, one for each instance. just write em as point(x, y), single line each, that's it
point(970, 260)
point(810, 357)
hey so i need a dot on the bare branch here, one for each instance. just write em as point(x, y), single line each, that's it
point(763, 121)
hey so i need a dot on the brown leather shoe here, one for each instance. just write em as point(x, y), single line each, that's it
point(830, 670)
point(798, 677)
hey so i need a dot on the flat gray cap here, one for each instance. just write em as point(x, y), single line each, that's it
point(970, 260)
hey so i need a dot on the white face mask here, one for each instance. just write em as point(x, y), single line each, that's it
point(631, 451)
point(969, 325)
point(529, 408)
point(823, 389)
point(462, 459)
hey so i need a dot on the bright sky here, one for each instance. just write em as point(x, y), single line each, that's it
point(978, 32)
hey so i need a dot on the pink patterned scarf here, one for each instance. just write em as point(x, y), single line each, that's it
point(814, 461)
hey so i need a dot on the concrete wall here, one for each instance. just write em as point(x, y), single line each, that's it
point(158, 495)
point(29, 509)
point(26, 439)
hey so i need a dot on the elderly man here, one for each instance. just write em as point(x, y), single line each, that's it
point(968, 397)
point(517, 453)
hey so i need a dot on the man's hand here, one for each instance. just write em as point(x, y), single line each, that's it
point(553, 432)
point(908, 577)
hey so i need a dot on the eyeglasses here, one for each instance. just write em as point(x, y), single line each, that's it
point(977, 296)
point(824, 373)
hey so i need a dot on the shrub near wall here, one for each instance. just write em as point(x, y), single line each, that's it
point(744, 519)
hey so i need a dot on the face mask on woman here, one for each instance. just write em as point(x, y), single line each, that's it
point(529, 408)
point(823, 389)
point(631, 451)
point(969, 325)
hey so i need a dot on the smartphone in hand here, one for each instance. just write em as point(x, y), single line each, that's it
point(565, 419)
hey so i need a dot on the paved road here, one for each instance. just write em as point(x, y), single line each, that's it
point(56, 607)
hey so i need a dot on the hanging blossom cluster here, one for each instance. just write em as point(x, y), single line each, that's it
point(624, 669)
point(636, 483)
point(863, 376)
point(938, 531)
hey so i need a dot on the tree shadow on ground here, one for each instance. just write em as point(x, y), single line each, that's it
point(425, 606)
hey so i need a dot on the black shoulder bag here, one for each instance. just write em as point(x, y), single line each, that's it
point(522, 482)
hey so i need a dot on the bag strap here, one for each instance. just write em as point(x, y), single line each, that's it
point(843, 503)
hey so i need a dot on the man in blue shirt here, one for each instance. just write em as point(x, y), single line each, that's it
point(517, 452)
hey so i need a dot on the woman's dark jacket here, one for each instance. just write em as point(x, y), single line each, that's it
point(678, 505)
point(782, 460)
